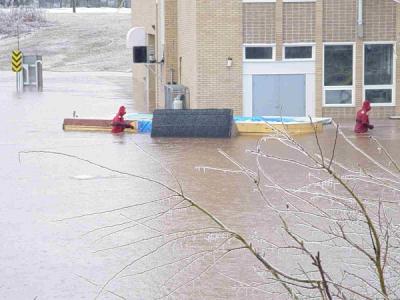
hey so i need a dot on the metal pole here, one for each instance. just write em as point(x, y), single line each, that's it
point(180, 70)
point(18, 33)
point(17, 73)
point(157, 53)
point(360, 26)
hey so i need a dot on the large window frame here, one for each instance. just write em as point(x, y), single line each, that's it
point(285, 45)
point(381, 86)
point(339, 88)
point(273, 46)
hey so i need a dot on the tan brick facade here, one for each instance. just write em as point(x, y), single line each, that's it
point(398, 61)
point(339, 20)
point(170, 67)
point(298, 22)
point(187, 47)
point(358, 72)
point(200, 35)
point(278, 29)
point(380, 20)
point(259, 23)
point(219, 86)
point(350, 112)
point(167, 50)
point(319, 52)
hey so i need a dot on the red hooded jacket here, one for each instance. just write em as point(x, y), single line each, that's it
point(118, 123)
point(362, 119)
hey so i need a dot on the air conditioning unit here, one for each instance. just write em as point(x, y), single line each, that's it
point(176, 92)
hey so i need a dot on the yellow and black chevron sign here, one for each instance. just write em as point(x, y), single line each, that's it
point(16, 61)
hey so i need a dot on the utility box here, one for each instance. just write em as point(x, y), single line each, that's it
point(140, 55)
point(176, 92)
point(32, 72)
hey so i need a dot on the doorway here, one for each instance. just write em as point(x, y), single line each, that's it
point(279, 95)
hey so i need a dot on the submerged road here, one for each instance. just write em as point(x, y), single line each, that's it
point(46, 255)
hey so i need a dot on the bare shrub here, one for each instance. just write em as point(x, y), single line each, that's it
point(20, 19)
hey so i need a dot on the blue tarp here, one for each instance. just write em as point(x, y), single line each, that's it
point(265, 119)
point(144, 126)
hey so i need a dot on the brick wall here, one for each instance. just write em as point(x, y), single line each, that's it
point(358, 73)
point(144, 14)
point(398, 60)
point(350, 112)
point(168, 71)
point(298, 22)
point(171, 42)
point(319, 14)
point(151, 78)
point(219, 36)
point(339, 112)
point(278, 29)
point(259, 22)
point(380, 20)
point(187, 46)
point(340, 20)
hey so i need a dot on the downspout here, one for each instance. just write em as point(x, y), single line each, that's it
point(159, 51)
point(360, 25)
point(156, 52)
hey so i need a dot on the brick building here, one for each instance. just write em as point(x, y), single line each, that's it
point(271, 57)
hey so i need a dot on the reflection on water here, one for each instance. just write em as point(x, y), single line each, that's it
point(43, 257)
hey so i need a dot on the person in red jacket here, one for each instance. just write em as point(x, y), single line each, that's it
point(362, 119)
point(118, 123)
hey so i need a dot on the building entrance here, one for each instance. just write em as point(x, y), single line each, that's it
point(279, 95)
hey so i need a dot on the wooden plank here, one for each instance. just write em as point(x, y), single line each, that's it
point(94, 125)
point(259, 128)
point(88, 122)
point(93, 129)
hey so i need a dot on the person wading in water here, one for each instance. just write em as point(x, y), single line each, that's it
point(118, 123)
point(362, 119)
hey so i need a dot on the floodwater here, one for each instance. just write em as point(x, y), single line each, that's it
point(46, 254)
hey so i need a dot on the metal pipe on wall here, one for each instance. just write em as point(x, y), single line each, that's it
point(360, 25)
point(157, 54)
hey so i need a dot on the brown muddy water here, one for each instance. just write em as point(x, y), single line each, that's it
point(49, 252)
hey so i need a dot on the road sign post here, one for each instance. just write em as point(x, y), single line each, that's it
point(16, 61)
point(16, 65)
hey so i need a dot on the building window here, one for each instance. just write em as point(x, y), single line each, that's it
point(378, 73)
point(299, 52)
point(338, 97)
point(338, 75)
point(259, 53)
point(379, 96)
